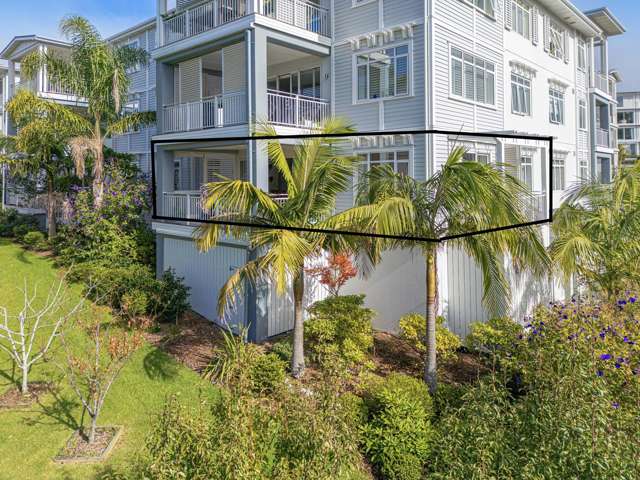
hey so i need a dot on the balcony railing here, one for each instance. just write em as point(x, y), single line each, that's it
point(303, 14)
point(56, 87)
point(201, 18)
point(279, 198)
point(214, 112)
point(603, 138)
point(296, 110)
point(606, 84)
point(537, 208)
point(187, 205)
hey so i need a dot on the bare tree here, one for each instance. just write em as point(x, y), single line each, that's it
point(94, 367)
point(20, 335)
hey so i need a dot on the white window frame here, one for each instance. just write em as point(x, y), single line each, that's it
point(582, 55)
point(622, 133)
point(556, 106)
point(556, 40)
point(487, 7)
point(474, 156)
point(356, 67)
point(582, 114)
point(520, 93)
point(521, 18)
point(622, 120)
point(464, 62)
point(583, 169)
point(525, 169)
point(394, 151)
point(559, 173)
point(133, 44)
point(298, 74)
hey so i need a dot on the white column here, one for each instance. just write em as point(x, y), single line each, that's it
point(161, 7)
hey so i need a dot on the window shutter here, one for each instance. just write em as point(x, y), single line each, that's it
point(176, 84)
point(534, 25)
point(546, 33)
point(508, 18)
point(566, 47)
point(219, 166)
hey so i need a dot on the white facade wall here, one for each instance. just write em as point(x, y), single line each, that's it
point(629, 122)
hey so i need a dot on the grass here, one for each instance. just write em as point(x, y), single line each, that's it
point(30, 438)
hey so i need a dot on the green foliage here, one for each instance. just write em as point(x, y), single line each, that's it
point(283, 349)
point(268, 372)
point(412, 330)
point(339, 330)
point(398, 433)
point(19, 231)
point(494, 336)
point(134, 303)
point(33, 239)
point(171, 299)
point(573, 416)
point(11, 219)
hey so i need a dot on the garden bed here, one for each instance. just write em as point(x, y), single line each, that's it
point(79, 450)
point(13, 398)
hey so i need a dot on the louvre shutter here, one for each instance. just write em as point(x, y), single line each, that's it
point(176, 84)
point(566, 46)
point(190, 81)
point(534, 25)
point(508, 15)
point(219, 166)
point(546, 33)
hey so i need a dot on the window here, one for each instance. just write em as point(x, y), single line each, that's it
point(556, 40)
point(383, 73)
point(525, 174)
point(306, 82)
point(486, 6)
point(472, 78)
point(521, 17)
point(626, 134)
point(626, 117)
point(558, 173)
point(556, 106)
point(604, 170)
point(398, 160)
point(584, 169)
point(582, 55)
point(134, 44)
point(477, 157)
point(520, 94)
point(582, 114)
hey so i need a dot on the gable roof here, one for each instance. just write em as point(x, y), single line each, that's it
point(16, 43)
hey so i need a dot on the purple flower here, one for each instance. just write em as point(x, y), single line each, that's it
point(632, 300)
point(600, 373)
point(615, 405)
point(605, 356)
point(618, 365)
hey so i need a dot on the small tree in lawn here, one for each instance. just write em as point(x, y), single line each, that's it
point(28, 336)
point(92, 369)
point(338, 271)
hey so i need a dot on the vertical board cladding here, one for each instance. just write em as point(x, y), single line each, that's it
point(459, 24)
point(205, 274)
point(234, 68)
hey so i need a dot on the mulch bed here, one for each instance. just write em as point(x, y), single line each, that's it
point(13, 398)
point(191, 343)
point(79, 450)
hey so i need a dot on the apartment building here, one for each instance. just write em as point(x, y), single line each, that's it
point(629, 123)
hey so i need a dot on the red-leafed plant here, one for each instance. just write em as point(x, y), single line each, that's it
point(338, 270)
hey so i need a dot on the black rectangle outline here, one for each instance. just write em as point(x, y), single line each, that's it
point(549, 220)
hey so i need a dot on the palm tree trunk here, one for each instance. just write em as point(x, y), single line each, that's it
point(51, 211)
point(297, 359)
point(98, 168)
point(430, 375)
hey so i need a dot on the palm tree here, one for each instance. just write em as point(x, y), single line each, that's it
point(97, 73)
point(40, 145)
point(319, 172)
point(597, 233)
point(462, 197)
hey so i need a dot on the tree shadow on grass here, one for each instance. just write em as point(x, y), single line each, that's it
point(159, 366)
point(22, 257)
point(58, 412)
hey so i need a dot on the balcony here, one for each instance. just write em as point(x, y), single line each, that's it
point(210, 15)
point(214, 112)
point(603, 138)
point(605, 84)
point(296, 110)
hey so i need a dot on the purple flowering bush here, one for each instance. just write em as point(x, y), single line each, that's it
point(577, 414)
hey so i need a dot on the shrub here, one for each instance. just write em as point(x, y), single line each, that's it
point(10, 219)
point(134, 304)
point(171, 297)
point(267, 373)
point(42, 246)
point(33, 239)
point(339, 330)
point(20, 230)
point(397, 435)
point(283, 349)
point(412, 330)
point(498, 334)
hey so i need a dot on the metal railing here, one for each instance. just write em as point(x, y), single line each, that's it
point(55, 86)
point(537, 208)
point(296, 110)
point(303, 14)
point(201, 18)
point(603, 138)
point(187, 205)
point(605, 83)
point(213, 112)
point(279, 198)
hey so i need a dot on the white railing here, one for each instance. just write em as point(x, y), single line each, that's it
point(214, 112)
point(201, 18)
point(279, 198)
point(537, 206)
point(303, 14)
point(605, 83)
point(55, 86)
point(187, 205)
point(296, 110)
point(602, 138)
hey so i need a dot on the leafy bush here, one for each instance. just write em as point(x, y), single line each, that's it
point(498, 334)
point(412, 330)
point(398, 432)
point(10, 219)
point(339, 330)
point(134, 303)
point(268, 372)
point(20, 230)
point(283, 349)
point(580, 367)
point(33, 239)
point(171, 299)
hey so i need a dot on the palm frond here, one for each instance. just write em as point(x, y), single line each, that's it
point(130, 122)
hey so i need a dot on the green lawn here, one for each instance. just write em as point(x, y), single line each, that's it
point(29, 439)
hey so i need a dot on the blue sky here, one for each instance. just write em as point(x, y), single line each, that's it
point(23, 17)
